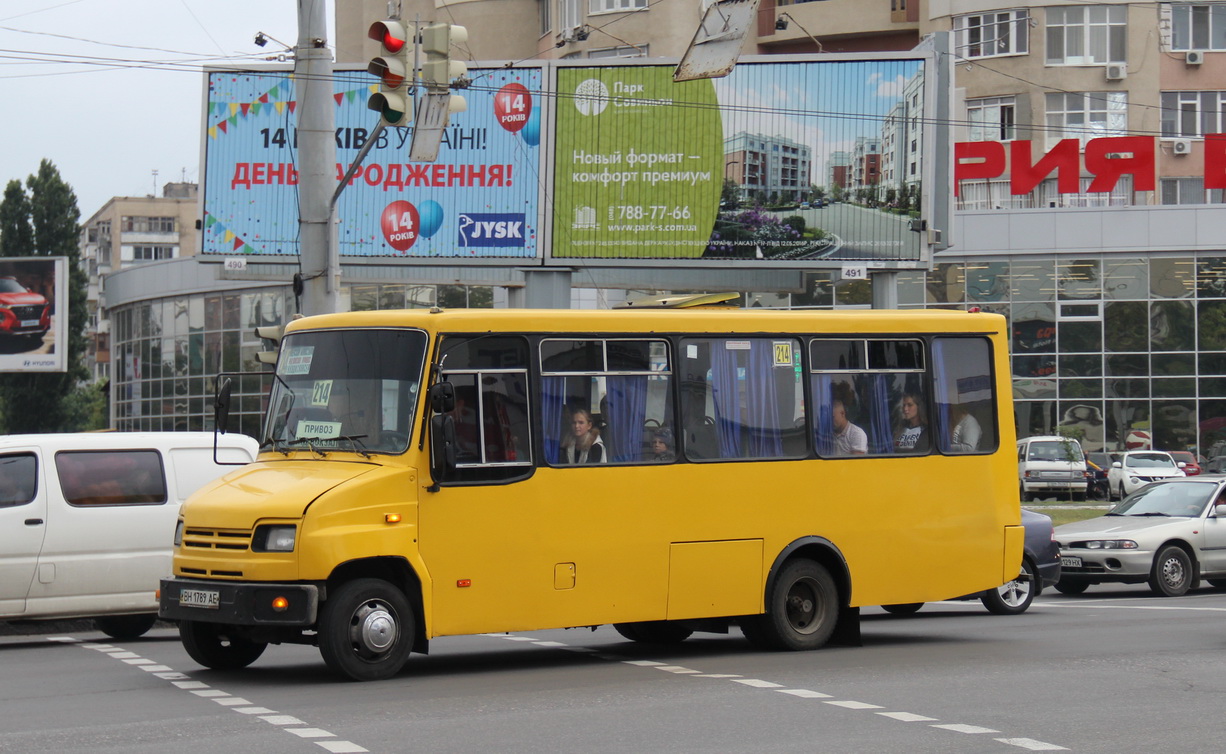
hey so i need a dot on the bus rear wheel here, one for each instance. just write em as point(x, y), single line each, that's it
point(211, 645)
point(801, 609)
point(366, 630)
point(653, 632)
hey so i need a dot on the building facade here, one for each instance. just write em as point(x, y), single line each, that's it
point(1115, 290)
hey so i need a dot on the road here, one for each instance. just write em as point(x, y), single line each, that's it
point(863, 233)
point(1113, 670)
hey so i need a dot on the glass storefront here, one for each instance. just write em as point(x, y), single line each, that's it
point(1114, 350)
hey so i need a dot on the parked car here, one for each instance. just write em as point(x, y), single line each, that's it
point(22, 311)
point(1137, 468)
point(1169, 533)
point(87, 520)
point(1098, 464)
point(1040, 569)
point(1191, 467)
point(1051, 466)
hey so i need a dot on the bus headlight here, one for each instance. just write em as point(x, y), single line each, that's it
point(274, 538)
point(178, 533)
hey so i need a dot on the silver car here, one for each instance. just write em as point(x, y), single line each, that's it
point(1169, 533)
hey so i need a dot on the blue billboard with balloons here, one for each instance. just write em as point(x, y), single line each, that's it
point(479, 200)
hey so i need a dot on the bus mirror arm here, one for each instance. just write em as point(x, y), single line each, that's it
point(442, 448)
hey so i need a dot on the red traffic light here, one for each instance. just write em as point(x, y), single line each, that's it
point(391, 34)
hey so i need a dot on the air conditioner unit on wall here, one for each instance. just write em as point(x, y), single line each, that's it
point(1117, 71)
point(1181, 146)
point(1194, 57)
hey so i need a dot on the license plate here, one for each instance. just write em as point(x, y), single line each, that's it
point(29, 323)
point(1070, 562)
point(200, 598)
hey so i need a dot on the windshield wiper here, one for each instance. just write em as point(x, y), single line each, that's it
point(1151, 513)
point(310, 443)
point(359, 447)
point(355, 441)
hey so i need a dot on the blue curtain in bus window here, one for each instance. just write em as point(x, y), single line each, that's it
point(627, 412)
point(823, 435)
point(762, 399)
point(727, 402)
point(942, 397)
point(553, 404)
point(880, 437)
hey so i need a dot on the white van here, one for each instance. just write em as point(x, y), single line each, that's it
point(1051, 466)
point(87, 520)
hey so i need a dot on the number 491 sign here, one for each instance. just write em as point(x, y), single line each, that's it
point(855, 272)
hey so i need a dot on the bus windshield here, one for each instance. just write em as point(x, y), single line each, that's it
point(353, 390)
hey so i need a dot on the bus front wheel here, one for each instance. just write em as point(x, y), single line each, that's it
point(366, 630)
point(801, 609)
point(211, 645)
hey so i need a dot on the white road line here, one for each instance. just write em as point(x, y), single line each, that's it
point(805, 693)
point(1031, 745)
point(1100, 606)
point(309, 732)
point(757, 684)
point(963, 728)
point(225, 699)
point(907, 717)
point(855, 705)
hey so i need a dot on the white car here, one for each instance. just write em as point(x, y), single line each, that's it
point(1137, 468)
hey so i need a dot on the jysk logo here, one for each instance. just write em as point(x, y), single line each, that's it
point(492, 229)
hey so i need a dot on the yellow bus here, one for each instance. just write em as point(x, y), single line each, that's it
point(428, 473)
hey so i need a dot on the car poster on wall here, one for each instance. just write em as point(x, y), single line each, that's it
point(33, 314)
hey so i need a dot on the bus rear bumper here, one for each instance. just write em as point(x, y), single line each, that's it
point(238, 604)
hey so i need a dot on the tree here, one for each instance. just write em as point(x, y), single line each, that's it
point(44, 223)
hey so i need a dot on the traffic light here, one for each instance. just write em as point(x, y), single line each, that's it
point(394, 67)
point(439, 70)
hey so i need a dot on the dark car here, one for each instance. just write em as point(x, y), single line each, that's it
point(22, 311)
point(1040, 569)
point(1097, 464)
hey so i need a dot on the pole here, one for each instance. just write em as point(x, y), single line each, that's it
point(316, 162)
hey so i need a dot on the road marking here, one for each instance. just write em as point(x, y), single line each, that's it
point(1100, 606)
point(320, 737)
point(1031, 745)
point(963, 728)
point(907, 717)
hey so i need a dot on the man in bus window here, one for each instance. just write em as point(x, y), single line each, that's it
point(966, 434)
point(849, 440)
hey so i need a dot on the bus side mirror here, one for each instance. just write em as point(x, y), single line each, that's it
point(221, 405)
point(442, 397)
point(442, 447)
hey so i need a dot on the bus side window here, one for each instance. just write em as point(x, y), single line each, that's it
point(964, 397)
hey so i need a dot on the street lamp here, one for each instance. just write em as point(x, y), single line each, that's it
point(781, 23)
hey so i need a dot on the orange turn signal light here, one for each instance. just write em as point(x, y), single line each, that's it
point(392, 518)
point(280, 604)
point(464, 582)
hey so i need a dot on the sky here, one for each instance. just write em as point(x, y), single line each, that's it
point(111, 91)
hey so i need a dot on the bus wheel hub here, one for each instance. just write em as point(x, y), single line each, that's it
point(374, 627)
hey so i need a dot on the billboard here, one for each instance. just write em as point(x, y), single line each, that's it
point(479, 201)
point(33, 314)
point(813, 161)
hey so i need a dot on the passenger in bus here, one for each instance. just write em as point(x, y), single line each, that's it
point(662, 446)
point(849, 440)
point(913, 436)
point(583, 443)
point(967, 432)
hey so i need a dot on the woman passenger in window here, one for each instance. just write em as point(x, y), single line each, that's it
point(913, 437)
point(583, 443)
